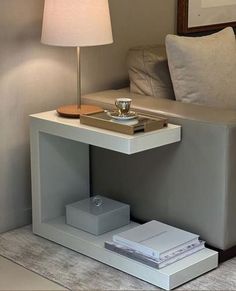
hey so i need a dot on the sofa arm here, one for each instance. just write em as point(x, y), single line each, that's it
point(170, 108)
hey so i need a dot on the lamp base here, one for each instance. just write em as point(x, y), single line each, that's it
point(73, 111)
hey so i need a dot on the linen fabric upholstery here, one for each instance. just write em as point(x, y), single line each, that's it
point(149, 73)
point(203, 69)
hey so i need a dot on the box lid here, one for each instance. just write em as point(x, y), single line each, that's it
point(87, 205)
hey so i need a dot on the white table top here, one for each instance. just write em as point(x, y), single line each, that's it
point(50, 122)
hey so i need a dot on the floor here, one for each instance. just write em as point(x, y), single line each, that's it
point(14, 277)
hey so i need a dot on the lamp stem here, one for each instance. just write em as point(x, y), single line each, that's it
point(78, 79)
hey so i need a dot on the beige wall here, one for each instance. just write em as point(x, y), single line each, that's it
point(34, 78)
point(134, 22)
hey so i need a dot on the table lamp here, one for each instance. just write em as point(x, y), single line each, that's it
point(76, 23)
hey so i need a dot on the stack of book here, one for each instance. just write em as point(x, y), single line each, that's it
point(155, 244)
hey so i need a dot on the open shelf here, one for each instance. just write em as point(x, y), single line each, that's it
point(97, 241)
point(93, 246)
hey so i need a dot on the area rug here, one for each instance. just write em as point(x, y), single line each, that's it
point(77, 272)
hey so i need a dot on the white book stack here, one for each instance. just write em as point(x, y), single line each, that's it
point(155, 244)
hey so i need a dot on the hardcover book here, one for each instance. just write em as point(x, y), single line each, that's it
point(154, 263)
point(156, 239)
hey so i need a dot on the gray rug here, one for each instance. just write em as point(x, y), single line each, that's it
point(78, 272)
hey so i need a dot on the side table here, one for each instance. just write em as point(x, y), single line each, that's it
point(60, 176)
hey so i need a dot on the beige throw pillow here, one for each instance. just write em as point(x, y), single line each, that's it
point(203, 69)
point(149, 73)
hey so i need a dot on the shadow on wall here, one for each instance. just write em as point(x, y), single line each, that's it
point(37, 77)
point(134, 23)
point(33, 78)
point(41, 76)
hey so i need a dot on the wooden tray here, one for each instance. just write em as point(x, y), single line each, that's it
point(144, 123)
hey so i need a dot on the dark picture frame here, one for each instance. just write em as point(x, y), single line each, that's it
point(183, 22)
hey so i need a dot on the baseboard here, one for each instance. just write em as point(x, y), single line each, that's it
point(224, 255)
point(15, 219)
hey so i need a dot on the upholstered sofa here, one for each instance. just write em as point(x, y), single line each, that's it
point(190, 184)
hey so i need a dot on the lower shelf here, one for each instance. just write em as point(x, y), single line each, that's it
point(93, 246)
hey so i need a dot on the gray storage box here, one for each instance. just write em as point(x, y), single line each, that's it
point(97, 220)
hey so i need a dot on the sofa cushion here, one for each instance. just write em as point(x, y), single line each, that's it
point(149, 72)
point(203, 69)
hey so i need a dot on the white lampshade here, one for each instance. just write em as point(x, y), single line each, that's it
point(76, 23)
